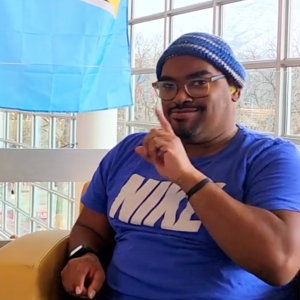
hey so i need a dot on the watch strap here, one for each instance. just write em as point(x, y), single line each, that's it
point(80, 251)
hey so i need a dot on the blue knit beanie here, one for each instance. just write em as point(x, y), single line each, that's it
point(210, 48)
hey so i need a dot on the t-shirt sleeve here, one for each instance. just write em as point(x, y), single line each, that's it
point(95, 197)
point(273, 179)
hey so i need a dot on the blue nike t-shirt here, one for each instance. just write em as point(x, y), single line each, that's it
point(163, 251)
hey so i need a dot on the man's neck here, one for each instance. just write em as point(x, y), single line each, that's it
point(212, 146)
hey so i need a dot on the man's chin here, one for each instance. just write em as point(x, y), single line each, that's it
point(186, 129)
point(184, 134)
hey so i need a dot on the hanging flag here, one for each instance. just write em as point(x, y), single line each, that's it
point(64, 56)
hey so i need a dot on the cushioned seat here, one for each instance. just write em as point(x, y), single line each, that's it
point(30, 266)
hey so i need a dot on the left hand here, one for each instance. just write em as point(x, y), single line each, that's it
point(165, 151)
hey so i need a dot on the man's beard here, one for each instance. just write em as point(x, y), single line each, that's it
point(185, 134)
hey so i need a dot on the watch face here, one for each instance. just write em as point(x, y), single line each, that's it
point(76, 250)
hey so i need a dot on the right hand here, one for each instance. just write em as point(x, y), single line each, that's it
point(83, 276)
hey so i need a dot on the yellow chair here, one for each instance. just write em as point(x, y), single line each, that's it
point(30, 266)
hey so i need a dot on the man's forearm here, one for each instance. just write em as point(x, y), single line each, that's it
point(252, 237)
point(81, 235)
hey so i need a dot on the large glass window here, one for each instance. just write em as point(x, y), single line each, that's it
point(200, 20)
point(250, 27)
point(27, 207)
point(142, 8)
point(148, 43)
point(23, 130)
point(145, 98)
point(265, 36)
point(293, 95)
point(32, 206)
point(294, 47)
point(256, 109)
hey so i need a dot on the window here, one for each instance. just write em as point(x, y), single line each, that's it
point(63, 135)
point(201, 20)
point(294, 49)
point(22, 130)
point(12, 128)
point(121, 132)
point(256, 109)
point(121, 114)
point(145, 98)
point(36, 206)
point(148, 40)
point(26, 137)
point(293, 75)
point(143, 8)
point(27, 207)
point(250, 27)
point(9, 219)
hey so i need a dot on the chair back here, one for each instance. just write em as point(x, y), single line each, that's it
point(82, 193)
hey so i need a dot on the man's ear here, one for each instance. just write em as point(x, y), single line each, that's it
point(235, 93)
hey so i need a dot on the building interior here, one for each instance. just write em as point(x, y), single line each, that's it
point(46, 159)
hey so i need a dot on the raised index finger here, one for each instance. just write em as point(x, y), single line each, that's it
point(165, 125)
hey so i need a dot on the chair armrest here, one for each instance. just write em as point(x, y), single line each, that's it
point(4, 242)
point(30, 266)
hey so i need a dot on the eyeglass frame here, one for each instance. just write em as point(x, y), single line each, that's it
point(208, 81)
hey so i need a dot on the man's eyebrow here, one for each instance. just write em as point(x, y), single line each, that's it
point(190, 76)
point(198, 74)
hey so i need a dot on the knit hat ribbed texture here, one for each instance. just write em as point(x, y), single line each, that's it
point(210, 48)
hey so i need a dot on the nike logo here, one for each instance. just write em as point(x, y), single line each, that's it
point(154, 203)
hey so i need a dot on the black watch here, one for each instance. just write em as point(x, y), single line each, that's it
point(80, 251)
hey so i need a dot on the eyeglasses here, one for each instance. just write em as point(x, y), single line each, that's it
point(196, 88)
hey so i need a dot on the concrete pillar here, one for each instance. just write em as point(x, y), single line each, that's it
point(96, 130)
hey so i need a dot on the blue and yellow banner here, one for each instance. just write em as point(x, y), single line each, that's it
point(65, 56)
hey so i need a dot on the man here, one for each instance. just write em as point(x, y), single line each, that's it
point(202, 208)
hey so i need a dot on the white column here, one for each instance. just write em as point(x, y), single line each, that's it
point(96, 130)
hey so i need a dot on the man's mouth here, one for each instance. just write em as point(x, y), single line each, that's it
point(185, 113)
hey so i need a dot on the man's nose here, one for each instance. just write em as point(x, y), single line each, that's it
point(182, 96)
